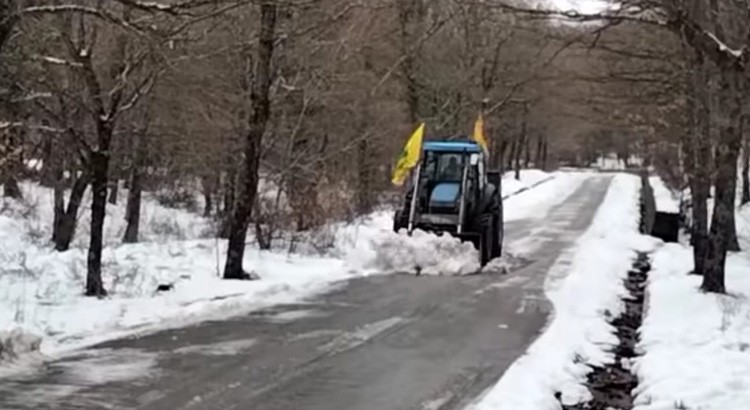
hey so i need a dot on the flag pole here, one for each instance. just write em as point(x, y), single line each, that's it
point(415, 191)
point(414, 199)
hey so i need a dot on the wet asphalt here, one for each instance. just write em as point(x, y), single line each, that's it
point(376, 343)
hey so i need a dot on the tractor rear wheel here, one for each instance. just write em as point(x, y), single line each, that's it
point(498, 233)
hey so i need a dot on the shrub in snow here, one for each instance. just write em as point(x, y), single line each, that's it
point(16, 342)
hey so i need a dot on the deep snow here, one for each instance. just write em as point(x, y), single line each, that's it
point(41, 290)
point(696, 345)
point(666, 200)
point(585, 287)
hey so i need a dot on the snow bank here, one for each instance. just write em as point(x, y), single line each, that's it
point(536, 202)
point(697, 345)
point(585, 288)
point(665, 199)
point(372, 247)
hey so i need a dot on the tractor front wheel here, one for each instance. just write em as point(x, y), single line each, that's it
point(487, 239)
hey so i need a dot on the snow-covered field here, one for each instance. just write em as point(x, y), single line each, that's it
point(585, 287)
point(41, 290)
point(697, 345)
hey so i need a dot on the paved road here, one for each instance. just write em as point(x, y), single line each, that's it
point(380, 343)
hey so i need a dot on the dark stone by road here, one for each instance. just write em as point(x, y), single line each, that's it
point(380, 342)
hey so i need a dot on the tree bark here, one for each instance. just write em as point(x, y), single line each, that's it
point(701, 182)
point(500, 161)
point(364, 197)
point(10, 160)
point(66, 220)
point(208, 185)
point(259, 118)
point(527, 158)
point(517, 160)
point(49, 170)
point(538, 156)
point(727, 150)
point(114, 191)
point(99, 174)
point(745, 160)
point(406, 12)
point(133, 207)
point(229, 199)
point(512, 153)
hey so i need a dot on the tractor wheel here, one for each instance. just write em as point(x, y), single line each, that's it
point(487, 238)
point(497, 236)
point(398, 221)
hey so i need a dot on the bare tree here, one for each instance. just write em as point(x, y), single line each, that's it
point(260, 105)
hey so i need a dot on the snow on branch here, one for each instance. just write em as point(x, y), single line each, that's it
point(725, 48)
point(708, 43)
point(174, 8)
point(57, 61)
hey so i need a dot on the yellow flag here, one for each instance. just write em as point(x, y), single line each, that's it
point(409, 156)
point(479, 134)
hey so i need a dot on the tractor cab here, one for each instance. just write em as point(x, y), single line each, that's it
point(453, 192)
point(449, 181)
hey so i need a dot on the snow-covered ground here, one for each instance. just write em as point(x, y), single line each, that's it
point(41, 290)
point(696, 345)
point(585, 287)
point(529, 178)
point(666, 200)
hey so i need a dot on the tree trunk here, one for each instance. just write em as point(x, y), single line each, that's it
point(59, 213)
point(208, 183)
point(66, 220)
point(745, 161)
point(133, 207)
point(517, 160)
point(406, 12)
point(11, 164)
point(519, 150)
point(114, 188)
point(500, 161)
point(10, 185)
point(538, 156)
point(49, 170)
point(527, 158)
point(727, 150)
point(512, 153)
point(249, 178)
point(364, 198)
point(544, 155)
point(702, 163)
point(135, 193)
point(99, 174)
point(229, 204)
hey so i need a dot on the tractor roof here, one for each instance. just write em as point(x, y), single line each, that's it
point(452, 146)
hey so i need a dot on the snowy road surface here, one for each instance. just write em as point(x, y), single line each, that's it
point(379, 342)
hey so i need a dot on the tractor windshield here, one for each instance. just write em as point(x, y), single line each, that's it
point(443, 166)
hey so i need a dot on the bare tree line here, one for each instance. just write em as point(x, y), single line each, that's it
point(315, 98)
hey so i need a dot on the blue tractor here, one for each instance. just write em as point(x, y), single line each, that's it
point(451, 190)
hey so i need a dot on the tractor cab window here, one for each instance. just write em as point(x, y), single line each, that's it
point(443, 166)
